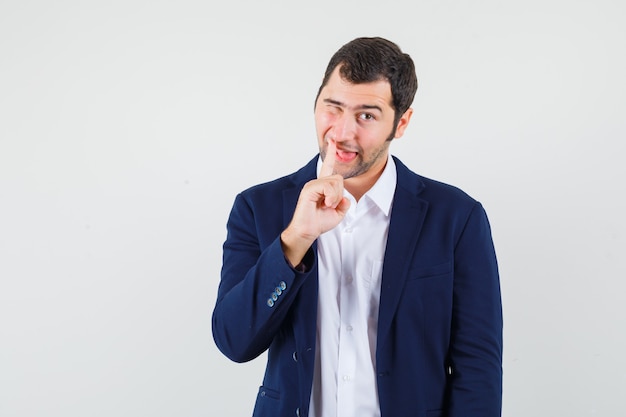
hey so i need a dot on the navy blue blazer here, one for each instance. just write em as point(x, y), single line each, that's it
point(439, 342)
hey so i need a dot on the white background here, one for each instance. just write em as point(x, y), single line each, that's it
point(127, 128)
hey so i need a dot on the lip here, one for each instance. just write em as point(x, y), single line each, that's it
point(345, 156)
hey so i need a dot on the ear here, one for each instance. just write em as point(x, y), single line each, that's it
point(403, 123)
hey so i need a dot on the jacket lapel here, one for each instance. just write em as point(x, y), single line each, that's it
point(407, 216)
point(305, 316)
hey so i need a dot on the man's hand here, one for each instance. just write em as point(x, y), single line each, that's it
point(321, 206)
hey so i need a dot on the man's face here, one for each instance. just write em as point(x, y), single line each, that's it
point(360, 119)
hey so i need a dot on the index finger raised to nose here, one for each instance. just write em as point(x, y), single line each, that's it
point(328, 166)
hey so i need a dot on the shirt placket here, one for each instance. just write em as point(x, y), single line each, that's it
point(348, 301)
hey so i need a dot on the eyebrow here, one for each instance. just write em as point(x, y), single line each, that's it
point(360, 107)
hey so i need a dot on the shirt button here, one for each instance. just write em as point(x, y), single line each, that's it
point(346, 378)
point(348, 230)
point(349, 328)
point(349, 279)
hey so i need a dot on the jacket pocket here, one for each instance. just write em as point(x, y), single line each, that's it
point(430, 271)
point(267, 403)
point(265, 392)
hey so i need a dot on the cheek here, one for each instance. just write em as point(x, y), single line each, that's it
point(323, 122)
point(372, 143)
point(371, 138)
point(325, 118)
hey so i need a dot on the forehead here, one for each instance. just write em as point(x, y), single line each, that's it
point(353, 95)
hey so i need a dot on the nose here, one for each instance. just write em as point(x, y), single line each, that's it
point(344, 128)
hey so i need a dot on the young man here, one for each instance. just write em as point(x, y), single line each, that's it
point(374, 290)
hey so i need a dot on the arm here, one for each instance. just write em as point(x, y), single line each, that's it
point(258, 284)
point(244, 324)
point(476, 337)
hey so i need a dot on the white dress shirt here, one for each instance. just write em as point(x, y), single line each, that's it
point(350, 260)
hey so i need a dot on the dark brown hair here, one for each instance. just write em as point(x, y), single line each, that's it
point(365, 60)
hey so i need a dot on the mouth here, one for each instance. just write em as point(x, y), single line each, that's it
point(345, 156)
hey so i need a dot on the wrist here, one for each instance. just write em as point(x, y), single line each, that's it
point(294, 247)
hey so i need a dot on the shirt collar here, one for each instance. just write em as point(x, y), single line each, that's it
point(383, 190)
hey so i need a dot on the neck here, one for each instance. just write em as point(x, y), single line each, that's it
point(358, 186)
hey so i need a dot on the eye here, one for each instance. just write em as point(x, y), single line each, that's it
point(366, 116)
point(333, 109)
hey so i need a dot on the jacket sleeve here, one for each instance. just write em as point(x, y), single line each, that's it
point(257, 285)
point(476, 335)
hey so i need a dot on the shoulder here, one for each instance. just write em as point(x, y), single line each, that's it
point(275, 188)
point(448, 208)
point(429, 189)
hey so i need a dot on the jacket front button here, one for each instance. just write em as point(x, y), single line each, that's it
point(297, 412)
point(295, 356)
